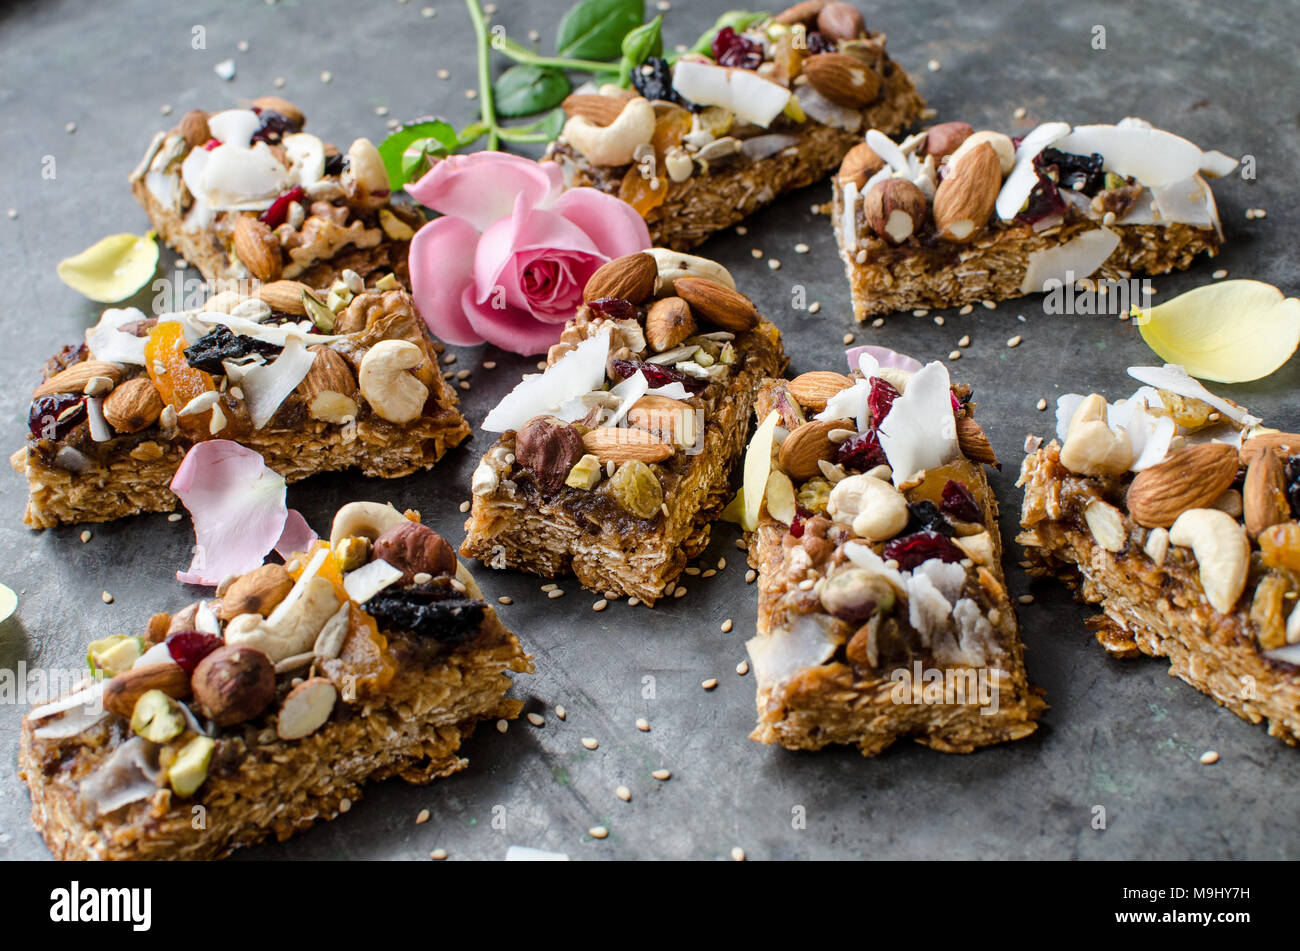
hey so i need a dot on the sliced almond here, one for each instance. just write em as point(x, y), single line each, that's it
point(75, 378)
point(306, 709)
point(610, 444)
point(1106, 524)
point(812, 390)
point(1190, 478)
point(807, 445)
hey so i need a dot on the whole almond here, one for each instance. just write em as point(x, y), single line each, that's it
point(257, 247)
point(808, 444)
point(717, 303)
point(860, 163)
point(667, 417)
point(631, 277)
point(121, 693)
point(1189, 478)
point(329, 388)
point(668, 323)
point(973, 443)
point(285, 297)
point(133, 406)
point(943, 139)
point(1255, 446)
point(965, 198)
point(595, 108)
point(841, 21)
point(812, 390)
point(895, 209)
point(612, 444)
point(805, 12)
point(1264, 501)
point(75, 377)
point(194, 126)
point(256, 592)
point(283, 106)
point(842, 79)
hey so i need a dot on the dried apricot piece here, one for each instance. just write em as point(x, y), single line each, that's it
point(365, 666)
point(1279, 545)
point(176, 380)
point(642, 193)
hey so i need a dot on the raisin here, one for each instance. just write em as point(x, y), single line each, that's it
point(189, 647)
point(658, 375)
point(958, 502)
point(53, 417)
point(861, 452)
point(275, 216)
point(1081, 173)
point(427, 612)
point(1293, 485)
point(334, 164)
point(881, 400)
point(1044, 201)
point(654, 80)
point(912, 550)
point(637, 490)
point(222, 343)
point(273, 127)
point(924, 516)
point(732, 49)
point(615, 308)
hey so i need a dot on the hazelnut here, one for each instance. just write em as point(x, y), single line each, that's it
point(860, 164)
point(415, 549)
point(841, 21)
point(257, 592)
point(234, 684)
point(942, 140)
point(894, 209)
point(548, 448)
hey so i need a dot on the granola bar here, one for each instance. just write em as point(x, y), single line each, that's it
point(612, 462)
point(951, 216)
point(247, 193)
point(352, 384)
point(708, 140)
point(1176, 514)
point(883, 612)
point(267, 710)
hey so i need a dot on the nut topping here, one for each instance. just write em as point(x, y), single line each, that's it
point(234, 684)
point(841, 21)
point(133, 406)
point(668, 323)
point(415, 549)
point(843, 79)
point(806, 445)
point(194, 126)
point(329, 388)
point(718, 304)
point(973, 443)
point(965, 198)
point(860, 164)
point(894, 209)
point(631, 277)
point(285, 297)
point(626, 445)
point(1264, 498)
point(258, 248)
point(943, 139)
point(394, 394)
point(1189, 478)
point(75, 378)
point(123, 692)
point(306, 709)
point(812, 390)
point(1091, 446)
point(595, 108)
point(548, 448)
point(256, 592)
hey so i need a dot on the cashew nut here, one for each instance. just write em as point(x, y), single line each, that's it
point(292, 632)
point(365, 520)
point(1091, 446)
point(1222, 552)
point(615, 143)
point(875, 509)
point(392, 393)
point(675, 264)
point(364, 180)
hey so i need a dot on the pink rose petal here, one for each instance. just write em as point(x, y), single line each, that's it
point(297, 536)
point(482, 187)
point(888, 359)
point(612, 224)
point(238, 508)
point(509, 327)
point(442, 264)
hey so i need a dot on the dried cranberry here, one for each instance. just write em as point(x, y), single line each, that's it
point(924, 516)
point(53, 417)
point(1045, 201)
point(189, 647)
point(273, 128)
point(960, 503)
point(211, 144)
point(222, 343)
point(912, 550)
point(957, 403)
point(796, 527)
point(657, 375)
point(653, 79)
point(1082, 173)
point(732, 49)
point(274, 216)
point(861, 452)
point(615, 308)
point(881, 400)
point(818, 43)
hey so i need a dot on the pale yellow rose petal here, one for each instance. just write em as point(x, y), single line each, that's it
point(758, 465)
point(113, 268)
point(1229, 331)
point(8, 602)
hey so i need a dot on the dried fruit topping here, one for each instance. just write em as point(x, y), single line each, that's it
point(653, 79)
point(643, 192)
point(189, 647)
point(797, 526)
point(732, 49)
point(881, 400)
point(1082, 173)
point(335, 162)
point(548, 448)
point(1293, 485)
point(427, 612)
point(273, 127)
point(1279, 546)
point(657, 375)
point(615, 308)
point(958, 502)
point(912, 550)
point(818, 42)
point(924, 516)
point(1044, 201)
point(275, 216)
point(861, 452)
point(813, 496)
point(636, 488)
point(177, 381)
point(222, 343)
point(53, 417)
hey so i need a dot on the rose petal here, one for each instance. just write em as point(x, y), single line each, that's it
point(238, 508)
point(886, 358)
point(442, 263)
point(483, 187)
point(611, 223)
point(527, 229)
point(297, 536)
point(509, 328)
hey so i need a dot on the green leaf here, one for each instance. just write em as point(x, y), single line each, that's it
point(594, 29)
point(525, 90)
point(738, 20)
point(430, 139)
point(544, 129)
point(472, 133)
point(644, 42)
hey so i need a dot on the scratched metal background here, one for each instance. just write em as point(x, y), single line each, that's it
point(1122, 735)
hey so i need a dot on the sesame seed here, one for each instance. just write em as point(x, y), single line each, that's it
point(989, 305)
point(742, 668)
point(422, 818)
point(757, 252)
point(801, 248)
point(966, 310)
point(938, 320)
point(964, 341)
point(465, 506)
point(848, 339)
point(471, 93)
point(622, 792)
point(561, 712)
point(633, 602)
point(1020, 112)
point(428, 13)
point(166, 109)
point(550, 586)
point(557, 593)
point(954, 354)
point(710, 683)
point(70, 128)
point(662, 775)
point(750, 575)
point(1209, 757)
point(691, 570)
point(85, 536)
point(381, 110)
point(598, 832)
point(326, 76)
point(708, 573)
point(464, 385)
point(679, 593)
point(1219, 275)
point(278, 82)
point(1041, 405)
point(610, 595)
point(774, 265)
point(463, 375)
point(806, 584)
point(742, 230)
point(934, 66)
point(505, 599)
point(443, 73)
point(815, 307)
point(1026, 599)
point(438, 855)
point(726, 626)
point(536, 719)
point(13, 212)
point(738, 854)
point(345, 805)
point(175, 517)
point(107, 598)
point(643, 724)
point(600, 605)
point(422, 577)
point(878, 322)
point(502, 726)
point(590, 742)
point(920, 312)
point(489, 364)
point(1014, 341)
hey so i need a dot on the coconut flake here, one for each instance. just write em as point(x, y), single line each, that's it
point(1215, 164)
point(782, 652)
point(864, 556)
point(884, 146)
point(91, 697)
point(235, 179)
point(671, 391)
point(299, 589)
point(578, 372)
point(127, 776)
point(1022, 178)
point(824, 111)
point(100, 431)
point(1152, 156)
point(306, 155)
point(627, 393)
point(849, 403)
point(368, 580)
point(1184, 202)
point(849, 216)
point(1175, 379)
point(1073, 261)
point(107, 341)
point(267, 386)
point(919, 433)
point(205, 620)
point(234, 127)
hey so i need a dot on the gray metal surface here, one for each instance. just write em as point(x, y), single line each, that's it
point(1122, 736)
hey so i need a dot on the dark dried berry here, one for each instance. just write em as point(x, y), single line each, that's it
point(861, 452)
point(924, 516)
point(222, 343)
point(275, 216)
point(615, 308)
point(658, 375)
point(881, 400)
point(819, 43)
point(732, 49)
point(1045, 201)
point(912, 550)
point(959, 503)
point(654, 80)
point(1293, 485)
point(189, 647)
point(335, 163)
point(53, 417)
point(439, 613)
point(1083, 171)
point(273, 127)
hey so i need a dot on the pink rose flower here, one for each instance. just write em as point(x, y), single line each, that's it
point(507, 261)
